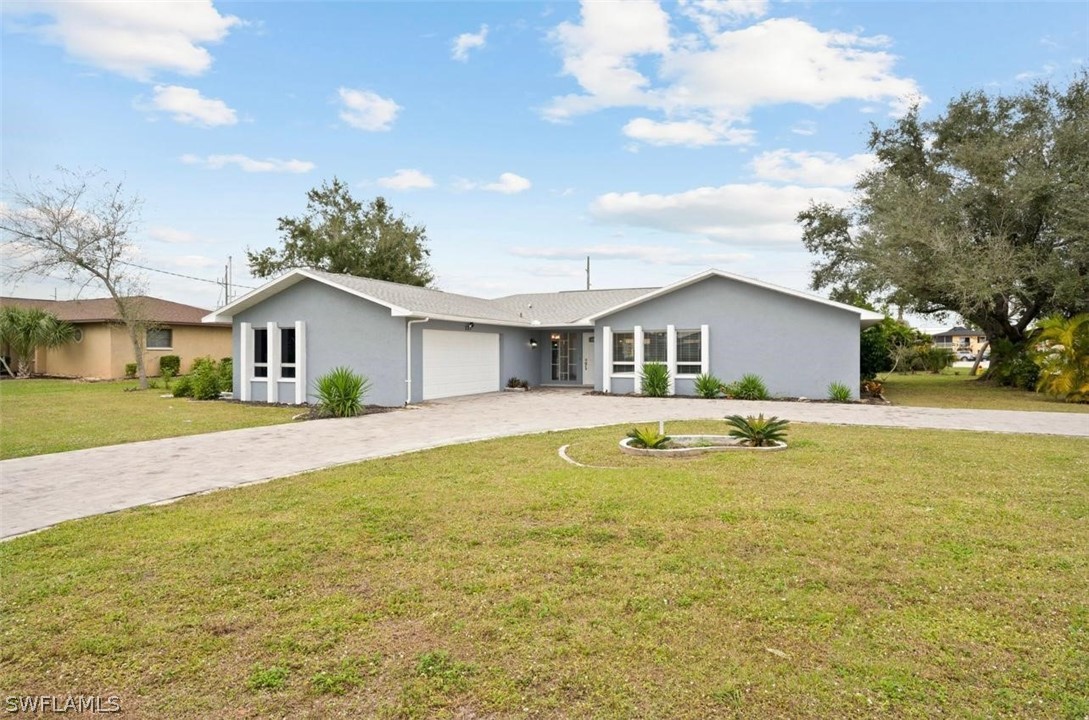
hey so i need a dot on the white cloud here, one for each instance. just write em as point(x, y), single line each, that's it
point(804, 127)
point(509, 184)
point(625, 55)
point(170, 236)
point(135, 39)
point(739, 214)
point(812, 168)
point(691, 133)
point(188, 106)
point(248, 164)
point(407, 179)
point(468, 41)
point(650, 255)
point(366, 110)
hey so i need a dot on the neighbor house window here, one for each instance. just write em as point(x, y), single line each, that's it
point(77, 335)
point(689, 352)
point(623, 352)
point(260, 353)
point(287, 352)
point(654, 347)
point(160, 339)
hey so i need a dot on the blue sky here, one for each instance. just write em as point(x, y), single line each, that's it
point(660, 139)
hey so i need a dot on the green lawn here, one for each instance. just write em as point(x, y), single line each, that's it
point(949, 390)
point(864, 572)
point(48, 416)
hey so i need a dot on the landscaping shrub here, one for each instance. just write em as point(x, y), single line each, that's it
point(708, 386)
point(340, 392)
point(1062, 355)
point(205, 380)
point(838, 392)
point(937, 359)
point(515, 382)
point(648, 438)
point(751, 387)
point(1013, 365)
point(170, 364)
point(757, 431)
point(654, 380)
point(226, 374)
point(130, 370)
point(183, 387)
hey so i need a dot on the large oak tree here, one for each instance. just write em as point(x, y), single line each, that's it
point(983, 212)
point(339, 234)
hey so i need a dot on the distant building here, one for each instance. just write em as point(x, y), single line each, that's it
point(102, 346)
point(961, 339)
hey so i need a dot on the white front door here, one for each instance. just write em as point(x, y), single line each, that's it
point(587, 358)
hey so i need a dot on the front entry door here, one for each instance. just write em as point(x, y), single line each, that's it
point(587, 358)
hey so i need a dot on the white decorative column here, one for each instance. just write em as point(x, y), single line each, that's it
point(273, 392)
point(245, 343)
point(638, 339)
point(671, 357)
point(300, 362)
point(705, 348)
point(606, 354)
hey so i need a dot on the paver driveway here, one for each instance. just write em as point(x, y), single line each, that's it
point(40, 491)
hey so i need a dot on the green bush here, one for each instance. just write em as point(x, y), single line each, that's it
point(648, 438)
point(757, 431)
point(183, 387)
point(937, 359)
point(654, 380)
point(341, 391)
point(226, 374)
point(1013, 365)
point(130, 370)
point(750, 387)
point(205, 381)
point(838, 392)
point(170, 364)
point(708, 386)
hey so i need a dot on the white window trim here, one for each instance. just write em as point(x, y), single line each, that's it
point(671, 361)
point(703, 354)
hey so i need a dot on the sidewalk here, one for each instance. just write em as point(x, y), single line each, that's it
point(40, 491)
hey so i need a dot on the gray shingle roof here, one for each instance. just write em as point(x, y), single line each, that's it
point(566, 307)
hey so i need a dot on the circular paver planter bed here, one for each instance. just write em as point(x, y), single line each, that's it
point(681, 445)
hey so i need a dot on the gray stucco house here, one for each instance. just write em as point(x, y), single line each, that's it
point(418, 344)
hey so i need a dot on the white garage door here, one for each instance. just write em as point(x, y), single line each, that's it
point(459, 363)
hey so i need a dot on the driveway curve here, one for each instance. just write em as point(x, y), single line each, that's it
point(40, 491)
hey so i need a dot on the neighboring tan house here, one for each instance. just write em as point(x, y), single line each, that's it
point(102, 347)
point(961, 339)
point(417, 344)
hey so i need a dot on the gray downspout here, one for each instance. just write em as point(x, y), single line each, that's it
point(408, 358)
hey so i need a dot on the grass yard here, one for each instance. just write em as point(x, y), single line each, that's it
point(48, 416)
point(865, 572)
point(948, 390)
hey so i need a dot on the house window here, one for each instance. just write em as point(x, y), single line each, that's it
point(77, 335)
point(287, 352)
point(260, 353)
point(654, 347)
point(689, 352)
point(623, 352)
point(160, 339)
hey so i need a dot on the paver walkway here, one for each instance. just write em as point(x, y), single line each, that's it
point(39, 491)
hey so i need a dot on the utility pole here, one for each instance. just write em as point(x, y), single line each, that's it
point(587, 272)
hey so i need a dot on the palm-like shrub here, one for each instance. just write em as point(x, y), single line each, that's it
point(24, 330)
point(757, 431)
point(654, 380)
point(648, 438)
point(1063, 357)
point(341, 391)
point(838, 392)
point(750, 387)
point(707, 386)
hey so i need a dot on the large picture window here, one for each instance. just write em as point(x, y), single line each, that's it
point(623, 352)
point(655, 347)
point(260, 353)
point(689, 352)
point(160, 339)
point(287, 352)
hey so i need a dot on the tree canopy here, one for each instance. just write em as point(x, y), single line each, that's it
point(338, 234)
point(24, 330)
point(981, 212)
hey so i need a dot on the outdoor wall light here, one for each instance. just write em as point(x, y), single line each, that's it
point(533, 342)
point(470, 326)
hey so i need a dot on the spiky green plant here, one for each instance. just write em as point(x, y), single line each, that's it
point(839, 392)
point(340, 392)
point(707, 386)
point(24, 330)
point(750, 387)
point(1063, 357)
point(757, 431)
point(654, 380)
point(648, 438)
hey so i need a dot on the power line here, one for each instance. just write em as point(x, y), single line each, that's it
point(181, 275)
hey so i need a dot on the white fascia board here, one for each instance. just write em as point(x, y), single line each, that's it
point(866, 317)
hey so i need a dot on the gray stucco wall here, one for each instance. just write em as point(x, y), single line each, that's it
point(341, 329)
point(797, 346)
point(516, 357)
